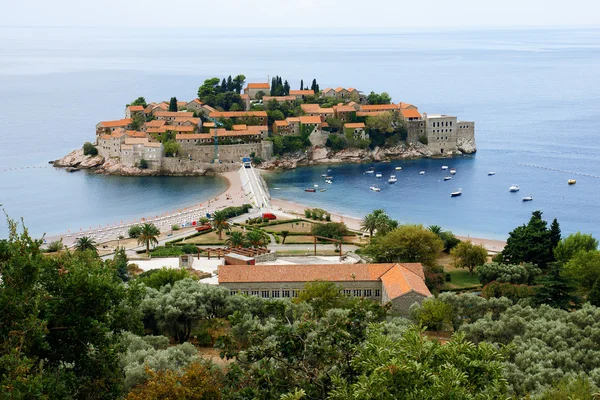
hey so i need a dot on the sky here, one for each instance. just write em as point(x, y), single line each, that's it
point(305, 14)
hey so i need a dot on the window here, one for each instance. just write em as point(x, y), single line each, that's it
point(275, 293)
point(232, 291)
point(347, 292)
point(367, 293)
point(356, 292)
point(264, 294)
point(285, 293)
point(377, 292)
point(294, 293)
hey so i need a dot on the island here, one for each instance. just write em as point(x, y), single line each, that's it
point(274, 125)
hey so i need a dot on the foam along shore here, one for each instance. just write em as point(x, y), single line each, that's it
point(232, 196)
point(354, 223)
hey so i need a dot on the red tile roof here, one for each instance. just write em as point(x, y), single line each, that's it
point(310, 120)
point(258, 86)
point(188, 114)
point(302, 92)
point(279, 98)
point(378, 107)
point(116, 123)
point(136, 134)
point(405, 105)
point(156, 122)
point(197, 101)
point(281, 123)
point(355, 125)
point(307, 107)
point(399, 280)
point(237, 114)
point(136, 108)
point(410, 113)
point(343, 108)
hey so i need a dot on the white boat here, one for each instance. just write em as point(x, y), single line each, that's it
point(276, 188)
point(398, 168)
point(452, 171)
point(447, 178)
point(323, 175)
point(422, 173)
point(375, 189)
point(370, 171)
point(392, 179)
point(514, 188)
point(456, 193)
point(528, 198)
point(444, 167)
point(316, 186)
point(378, 175)
point(328, 181)
point(491, 173)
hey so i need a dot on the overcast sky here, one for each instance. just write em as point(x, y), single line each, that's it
point(314, 14)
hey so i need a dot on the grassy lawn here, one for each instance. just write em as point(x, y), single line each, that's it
point(460, 279)
point(301, 239)
point(284, 253)
point(292, 227)
point(209, 238)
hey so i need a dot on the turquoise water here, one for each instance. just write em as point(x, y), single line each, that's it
point(534, 95)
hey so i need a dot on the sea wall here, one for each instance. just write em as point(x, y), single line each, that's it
point(227, 153)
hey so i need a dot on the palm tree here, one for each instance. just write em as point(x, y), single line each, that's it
point(370, 221)
point(148, 235)
point(284, 234)
point(256, 238)
point(435, 229)
point(85, 243)
point(236, 239)
point(220, 223)
point(384, 224)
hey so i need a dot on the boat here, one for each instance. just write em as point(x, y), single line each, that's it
point(392, 179)
point(371, 170)
point(456, 193)
point(398, 168)
point(444, 167)
point(316, 186)
point(453, 171)
point(312, 190)
point(387, 161)
point(329, 182)
point(447, 178)
point(276, 188)
point(375, 189)
point(378, 175)
point(322, 190)
point(514, 188)
point(324, 175)
point(422, 173)
point(571, 181)
point(329, 170)
point(491, 173)
point(528, 198)
point(328, 177)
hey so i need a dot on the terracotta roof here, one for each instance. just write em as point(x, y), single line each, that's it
point(136, 134)
point(207, 107)
point(188, 114)
point(126, 147)
point(244, 96)
point(136, 108)
point(350, 89)
point(240, 127)
point(118, 133)
point(184, 136)
point(181, 104)
point(281, 123)
point(354, 125)
point(257, 128)
point(321, 111)
point(116, 123)
point(172, 128)
point(197, 101)
point(327, 90)
point(369, 114)
point(293, 119)
point(195, 121)
point(307, 107)
point(155, 123)
point(343, 108)
point(405, 105)
point(153, 144)
point(310, 120)
point(410, 113)
point(136, 141)
point(378, 107)
point(279, 98)
point(258, 86)
point(399, 280)
point(225, 133)
point(209, 125)
point(339, 89)
point(239, 114)
point(302, 92)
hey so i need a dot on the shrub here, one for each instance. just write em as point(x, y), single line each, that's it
point(328, 217)
point(507, 273)
point(55, 246)
point(89, 149)
point(203, 220)
point(189, 248)
point(231, 212)
point(433, 313)
point(450, 241)
point(307, 213)
point(423, 139)
point(161, 251)
point(508, 290)
point(157, 278)
point(134, 231)
point(143, 164)
point(175, 227)
point(335, 230)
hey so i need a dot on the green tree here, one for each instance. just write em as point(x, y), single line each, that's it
point(416, 367)
point(173, 104)
point(208, 89)
point(157, 278)
point(274, 115)
point(172, 148)
point(556, 290)
point(369, 222)
point(383, 98)
point(407, 243)
point(333, 230)
point(119, 262)
point(322, 296)
point(336, 142)
point(134, 231)
point(573, 244)
point(435, 229)
point(86, 243)
point(220, 223)
point(89, 149)
point(301, 84)
point(143, 164)
point(584, 269)
point(235, 239)
point(284, 235)
point(530, 243)
point(467, 255)
point(508, 273)
point(433, 314)
point(256, 238)
point(238, 83)
point(148, 236)
point(594, 296)
point(140, 101)
point(260, 94)
point(554, 233)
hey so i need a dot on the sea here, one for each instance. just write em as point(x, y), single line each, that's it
point(533, 94)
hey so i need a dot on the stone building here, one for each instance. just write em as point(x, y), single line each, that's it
point(445, 133)
point(134, 150)
point(357, 130)
point(241, 117)
point(398, 284)
point(302, 93)
point(132, 111)
point(107, 127)
point(253, 88)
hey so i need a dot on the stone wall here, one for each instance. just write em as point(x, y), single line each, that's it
point(179, 166)
point(401, 305)
point(227, 153)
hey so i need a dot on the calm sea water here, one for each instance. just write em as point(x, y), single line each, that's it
point(534, 95)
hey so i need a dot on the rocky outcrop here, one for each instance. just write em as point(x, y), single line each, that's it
point(76, 159)
point(466, 145)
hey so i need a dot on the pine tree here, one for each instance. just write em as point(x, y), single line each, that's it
point(173, 104)
point(301, 84)
point(286, 88)
point(530, 243)
point(223, 86)
point(554, 233)
point(230, 86)
point(556, 290)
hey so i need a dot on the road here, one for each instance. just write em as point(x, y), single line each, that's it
point(251, 181)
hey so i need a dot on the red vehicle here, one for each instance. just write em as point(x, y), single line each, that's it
point(204, 227)
point(269, 216)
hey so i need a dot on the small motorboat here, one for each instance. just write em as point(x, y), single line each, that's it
point(324, 175)
point(312, 190)
point(571, 181)
point(328, 177)
point(514, 188)
point(316, 186)
point(392, 179)
point(398, 168)
point(371, 170)
point(329, 170)
point(322, 190)
point(528, 198)
point(378, 175)
point(491, 173)
point(444, 167)
point(456, 193)
point(375, 189)
point(329, 182)
point(422, 173)
point(447, 178)
point(276, 188)
point(452, 171)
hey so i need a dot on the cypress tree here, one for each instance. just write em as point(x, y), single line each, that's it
point(286, 88)
point(223, 86)
point(301, 84)
point(173, 104)
point(229, 84)
point(555, 233)
point(313, 87)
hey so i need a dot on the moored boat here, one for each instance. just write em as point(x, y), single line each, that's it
point(378, 175)
point(452, 171)
point(375, 189)
point(371, 170)
point(571, 181)
point(491, 173)
point(456, 193)
point(322, 190)
point(398, 168)
point(312, 190)
point(444, 167)
point(514, 188)
point(328, 177)
point(316, 186)
point(528, 198)
point(392, 179)
point(447, 178)
point(329, 182)
point(422, 173)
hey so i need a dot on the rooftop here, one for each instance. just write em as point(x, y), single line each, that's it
point(258, 86)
